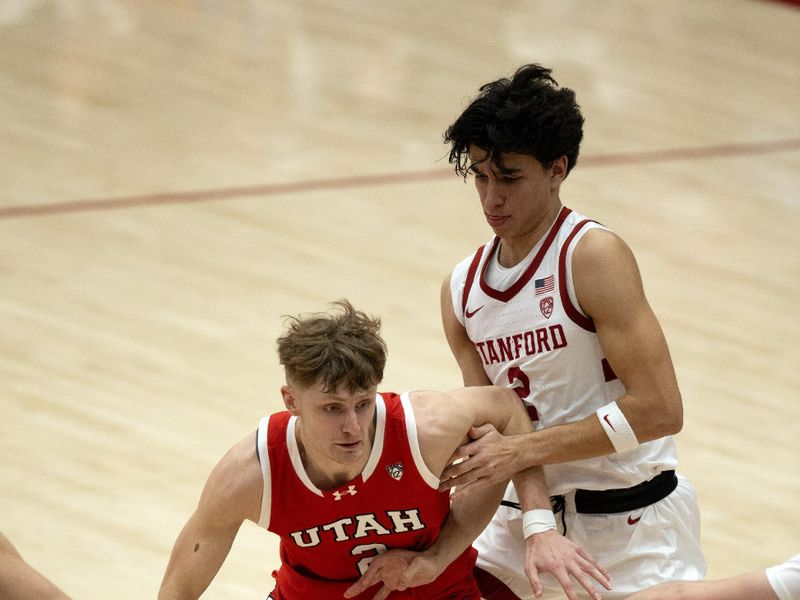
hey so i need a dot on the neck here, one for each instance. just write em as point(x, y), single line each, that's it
point(512, 250)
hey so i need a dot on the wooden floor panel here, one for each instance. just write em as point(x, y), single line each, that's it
point(148, 250)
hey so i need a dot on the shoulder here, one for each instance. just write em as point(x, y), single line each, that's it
point(234, 487)
point(600, 247)
point(605, 272)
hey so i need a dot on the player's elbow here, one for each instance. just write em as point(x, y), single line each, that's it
point(512, 406)
point(669, 418)
point(675, 414)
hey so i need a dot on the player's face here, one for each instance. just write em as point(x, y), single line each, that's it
point(337, 428)
point(515, 203)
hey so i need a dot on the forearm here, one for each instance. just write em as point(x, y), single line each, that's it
point(194, 562)
point(468, 517)
point(532, 489)
point(563, 443)
point(185, 579)
point(586, 437)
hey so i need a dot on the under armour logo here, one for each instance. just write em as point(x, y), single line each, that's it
point(395, 470)
point(351, 490)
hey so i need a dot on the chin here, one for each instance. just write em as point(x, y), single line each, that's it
point(349, 456)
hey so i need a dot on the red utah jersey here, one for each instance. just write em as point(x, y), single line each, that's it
point(328, 538)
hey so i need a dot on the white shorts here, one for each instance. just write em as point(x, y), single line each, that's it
point(660, 542)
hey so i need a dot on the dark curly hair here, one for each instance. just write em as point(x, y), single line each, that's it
point(342, 349)
point(527, 114)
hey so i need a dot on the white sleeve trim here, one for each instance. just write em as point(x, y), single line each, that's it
point(413, 442)
point(263, 458)
point(296, 458)
point(377, 443)
point(785, 579)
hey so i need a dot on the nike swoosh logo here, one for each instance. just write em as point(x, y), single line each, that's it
point(632, 521)
point(606, 419)
point(469, 314)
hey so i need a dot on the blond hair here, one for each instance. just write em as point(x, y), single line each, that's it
point(341, 349)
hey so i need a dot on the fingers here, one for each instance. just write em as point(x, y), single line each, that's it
point(563, 578)
point(585, 574)
point(454, 470)
point(455, 474)
point(587, 584)
point(465, 489)
point(367, 580)
point(597, 570)
point(535, 581)
point(382, 594)
point(480, 431)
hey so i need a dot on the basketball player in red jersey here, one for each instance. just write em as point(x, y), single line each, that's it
point(346, 473)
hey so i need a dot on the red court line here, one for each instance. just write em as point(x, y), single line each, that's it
point(591, 161)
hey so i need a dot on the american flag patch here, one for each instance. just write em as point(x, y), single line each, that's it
point(544, 285)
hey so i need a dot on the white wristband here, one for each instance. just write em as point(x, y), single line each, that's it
point(617, 427)
point(537, 521)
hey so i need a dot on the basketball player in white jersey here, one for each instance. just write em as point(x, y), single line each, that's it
point(553, 306)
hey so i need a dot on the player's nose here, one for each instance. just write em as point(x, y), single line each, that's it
point(350, 423)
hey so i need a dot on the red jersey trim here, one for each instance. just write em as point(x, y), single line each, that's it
point(572, 311)
point(508, 294)
point(473, 268)
point(608, 372)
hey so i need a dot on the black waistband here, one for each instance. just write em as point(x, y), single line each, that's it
point(595, 502)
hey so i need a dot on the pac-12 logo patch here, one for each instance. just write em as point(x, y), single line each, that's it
point(546, 306)
point(395, 470)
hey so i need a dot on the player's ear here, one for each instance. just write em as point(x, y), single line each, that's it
point(289, 399)
point(558, 171)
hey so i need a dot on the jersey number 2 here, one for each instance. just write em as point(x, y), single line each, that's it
point(363, 564)
point(517, 375)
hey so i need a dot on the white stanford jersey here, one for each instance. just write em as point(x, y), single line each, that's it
point(531, 335)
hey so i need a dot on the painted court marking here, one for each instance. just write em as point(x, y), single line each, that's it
point(591, 161)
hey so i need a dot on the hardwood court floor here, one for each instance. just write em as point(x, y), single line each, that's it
point(178, 175)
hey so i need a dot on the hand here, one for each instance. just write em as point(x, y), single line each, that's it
point(490, 458)
point(550, 552)
point(398, 569)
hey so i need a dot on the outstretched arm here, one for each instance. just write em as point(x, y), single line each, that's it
point(231, 495)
